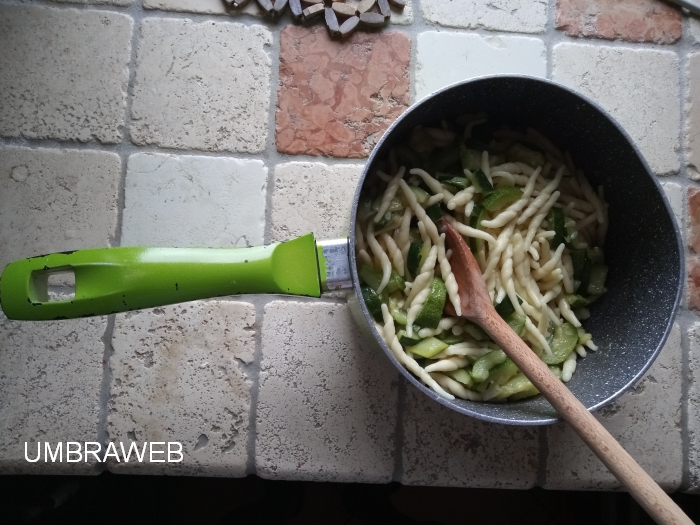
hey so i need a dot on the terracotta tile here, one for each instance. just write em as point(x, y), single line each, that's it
point(338, 97)
point(694, 219)
point(630, 20)
point(693, 265)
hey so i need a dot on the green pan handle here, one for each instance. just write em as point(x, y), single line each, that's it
point(112, 280)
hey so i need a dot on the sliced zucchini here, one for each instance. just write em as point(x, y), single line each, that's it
point(564, 342)
point(505, 308)
point(458, 183)
point(576, 301)
point(450, 338)
point(388, 217)
point(429, 347)
point(556, 221)
point(478, 215)
point(413, 259)
point(483, 365)
point(517, 323)
point(373, 278)
point(599, 272)
point(373, 303)
point(434, 212)
point(422, 196)
point(431, 313)
point(461, 376)
point(519, 153)
point(596, 255)
point(577, 260)
point(405, 340)
point(501, 198)
point(501, 374)
point(481, 182)
point(471, 159)
point(519, 387)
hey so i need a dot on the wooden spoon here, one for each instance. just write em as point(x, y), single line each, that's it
point(477, 308)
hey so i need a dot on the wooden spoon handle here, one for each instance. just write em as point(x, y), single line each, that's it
point(642, 487)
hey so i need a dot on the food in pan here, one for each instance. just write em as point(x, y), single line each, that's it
point(535, 226)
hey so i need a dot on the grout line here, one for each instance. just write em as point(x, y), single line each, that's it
point(252, 372)
point(105, 388)
point(122, 150)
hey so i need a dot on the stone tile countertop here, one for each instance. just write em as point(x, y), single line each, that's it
point(183, 123)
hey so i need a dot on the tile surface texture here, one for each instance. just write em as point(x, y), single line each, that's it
point(98, 2)
point(55, 200)
point(523, 16)
point(444, 58)
point(50, 377)
point(64, 73)
point(647, 422)
point(337, 97)
point(328, 399)
point(312, 197)
point(693, 117)
point(694, 408)
point(192, 201)
point(201, 85)
point(213, 7)
point(694, 24)
point(630, 20)
point(675, 195)
point(177, 376)
point(444, 448)
point(609, 74)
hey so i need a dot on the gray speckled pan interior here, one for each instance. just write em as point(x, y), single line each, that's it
point(643, 250)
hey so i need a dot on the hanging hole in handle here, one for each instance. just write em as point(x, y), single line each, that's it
point(53, 285)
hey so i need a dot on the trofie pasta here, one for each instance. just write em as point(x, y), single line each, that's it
point(535, 226)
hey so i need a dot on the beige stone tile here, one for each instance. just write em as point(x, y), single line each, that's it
point(313, 197)
point(56, 200)
point(327, 401)
point(193, 201)
point(609, 74)
point(693, 117)
point(674, 193)
point(444, 448)
point(201, 85)
point(212, 7)
point(178, 375)
point(520, 16)
point(64, 73)
point(646, 421)
point(50, 380)
point(445, 57)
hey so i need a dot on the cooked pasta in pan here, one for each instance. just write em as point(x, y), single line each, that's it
point(535, 226)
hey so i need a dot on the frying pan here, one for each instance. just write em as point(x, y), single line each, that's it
point(630, 323)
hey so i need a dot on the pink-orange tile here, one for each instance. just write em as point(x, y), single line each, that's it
point(694, 219)
point(693, 267)
point(337, 97)
point(631, 20)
